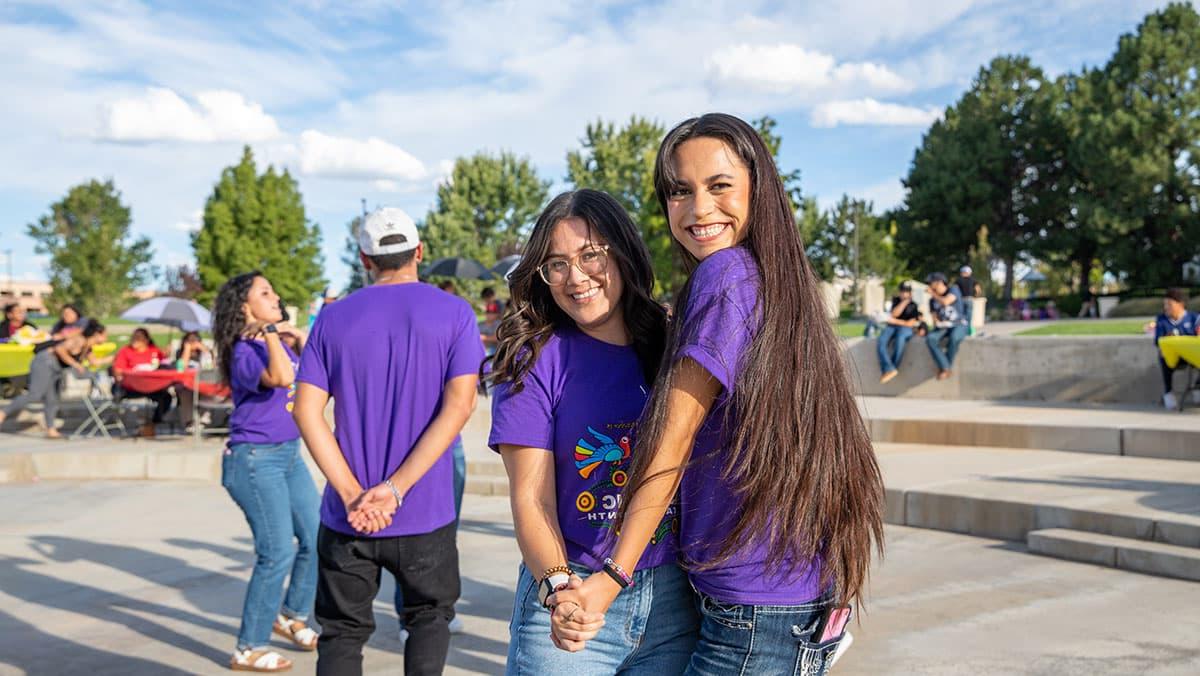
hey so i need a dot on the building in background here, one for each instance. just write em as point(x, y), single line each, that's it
point(30, 294)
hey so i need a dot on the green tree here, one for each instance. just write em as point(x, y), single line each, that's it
point(93, 258)
point(996, 159)
point(620, 161)
point(485, 208)
point(257, 221)
point(1137, 148)
point(350, 256)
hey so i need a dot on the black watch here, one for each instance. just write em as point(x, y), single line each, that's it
point(270, 328)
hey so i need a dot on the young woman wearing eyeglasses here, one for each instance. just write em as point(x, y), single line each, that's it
point(577, 349)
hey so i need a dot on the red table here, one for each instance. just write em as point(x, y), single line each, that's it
point(149, 382)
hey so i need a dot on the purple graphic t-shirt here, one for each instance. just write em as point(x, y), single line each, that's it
point(261, 415)
point(717, 326)
point(385, 354)
point(580, 402)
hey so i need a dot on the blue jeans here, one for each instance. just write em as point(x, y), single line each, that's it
point(271, 483)
point(955, 335)
point(460, 482)
point(737, 639)
point(650, 629)
point(889, 359)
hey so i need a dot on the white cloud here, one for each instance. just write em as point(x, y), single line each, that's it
point(786, 68)
point(883, 195)
point(160, 114)
point(340, 157)
point(191, 223)
point(869, 112)
point(385, 185)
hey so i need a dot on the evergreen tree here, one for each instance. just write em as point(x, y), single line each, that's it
point(350, 256)
point(254, 221)
point(485, 209)
point(94, 261)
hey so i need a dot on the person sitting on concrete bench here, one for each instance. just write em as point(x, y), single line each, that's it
point(949, 322)
point(1176, 320)
point(897, 329)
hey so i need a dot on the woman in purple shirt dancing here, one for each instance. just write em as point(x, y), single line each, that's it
point(752, 421)
point(263, 472)
point(580, 343)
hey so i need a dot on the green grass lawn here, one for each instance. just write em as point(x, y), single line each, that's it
point(1097, 327)
point(848, 328)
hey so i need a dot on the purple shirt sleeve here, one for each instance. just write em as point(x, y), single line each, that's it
point(525, 418)
point(312, 359)
point(720, 319)
point(466, 352)
point(247, 368)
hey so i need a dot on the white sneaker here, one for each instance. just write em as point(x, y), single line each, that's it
point(403, 636)
point(1170, 402)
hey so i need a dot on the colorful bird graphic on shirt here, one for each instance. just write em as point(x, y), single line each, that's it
point(588, 456)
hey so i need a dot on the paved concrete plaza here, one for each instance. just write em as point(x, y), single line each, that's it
point(147, 577)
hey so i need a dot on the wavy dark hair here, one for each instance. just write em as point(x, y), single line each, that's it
point(800, 458)
point(228, 320)
point(532, 315)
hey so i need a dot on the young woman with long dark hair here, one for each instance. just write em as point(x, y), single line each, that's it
point(263, 472)
point(752, 420)
point(576, 351)
point(141, 354)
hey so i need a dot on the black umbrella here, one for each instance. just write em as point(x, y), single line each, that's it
point(459, 268)
point(506, 265)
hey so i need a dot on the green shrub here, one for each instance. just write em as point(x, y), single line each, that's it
point(1137, 307)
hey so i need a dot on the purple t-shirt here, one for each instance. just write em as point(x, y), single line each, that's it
point(717, 326)
point(385, 354)
point(261, 415)
point(580, 402)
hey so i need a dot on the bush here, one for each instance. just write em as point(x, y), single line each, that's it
point(1069, 305)
point(1138, 307)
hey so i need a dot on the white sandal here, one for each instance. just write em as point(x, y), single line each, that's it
point(296, 631)
point(265, 661)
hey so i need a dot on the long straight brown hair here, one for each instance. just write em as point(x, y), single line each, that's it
point(799, 457)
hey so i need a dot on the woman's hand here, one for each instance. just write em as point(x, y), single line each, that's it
point(592, 598)
point(289, 329)
point(253, 330)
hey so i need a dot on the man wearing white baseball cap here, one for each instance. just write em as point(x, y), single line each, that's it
point(401, 358)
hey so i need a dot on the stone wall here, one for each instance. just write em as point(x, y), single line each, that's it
point(1101, 369)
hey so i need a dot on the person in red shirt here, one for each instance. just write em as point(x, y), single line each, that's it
point(141, 354)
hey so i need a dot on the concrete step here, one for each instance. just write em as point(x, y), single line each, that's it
point(1006, 493)
point(1152, 558)
point(1143, 442)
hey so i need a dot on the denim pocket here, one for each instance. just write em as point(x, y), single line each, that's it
point(728, 615)
point(814, 657)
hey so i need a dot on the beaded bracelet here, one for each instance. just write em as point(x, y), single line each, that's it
point(555, 569)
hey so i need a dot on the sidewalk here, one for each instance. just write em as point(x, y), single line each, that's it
point(147, 578)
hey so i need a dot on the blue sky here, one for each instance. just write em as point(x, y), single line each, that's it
point(374, 100)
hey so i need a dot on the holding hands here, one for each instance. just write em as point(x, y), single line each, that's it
point(577, 613)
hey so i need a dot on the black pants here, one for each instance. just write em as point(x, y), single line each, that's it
point(426, 569)
point(162, 400)
point(1168, 372)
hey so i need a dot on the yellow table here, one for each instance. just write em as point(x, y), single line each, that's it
point(15, 358)
point(1174, 348)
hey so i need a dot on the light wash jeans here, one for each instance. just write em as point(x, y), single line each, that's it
point(271, 483)
point(889, 357)
point(650, 630)
point(460, 482)
point(953, 335)
point(745, 640)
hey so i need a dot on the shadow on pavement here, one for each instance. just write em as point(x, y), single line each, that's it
point(18, 579)
point(42, 653)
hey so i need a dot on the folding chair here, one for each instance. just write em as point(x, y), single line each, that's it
point(97, 400)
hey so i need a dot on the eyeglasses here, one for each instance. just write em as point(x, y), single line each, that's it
point(591, 262)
